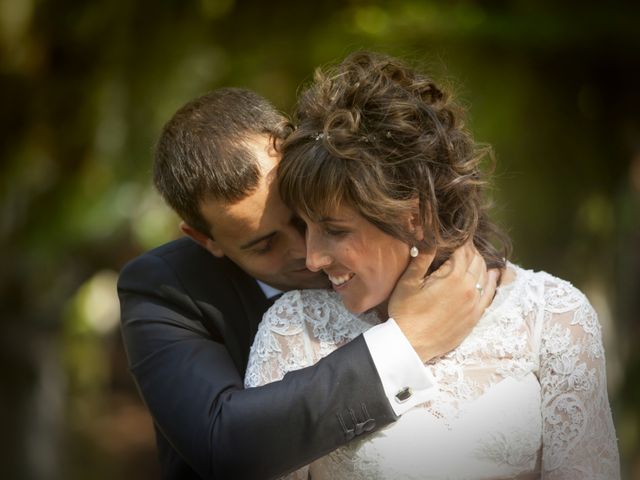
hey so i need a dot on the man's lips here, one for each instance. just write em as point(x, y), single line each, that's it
point(303, 270)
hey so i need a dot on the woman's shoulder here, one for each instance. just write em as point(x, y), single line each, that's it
point(320, 311)
point(553, 293)
point(308, 299)
point(313, 305)
point(562, 313)
point(311, 294)
point(317, 304)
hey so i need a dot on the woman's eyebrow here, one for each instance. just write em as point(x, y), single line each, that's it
point(327, 219)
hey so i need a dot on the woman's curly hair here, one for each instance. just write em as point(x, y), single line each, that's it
point(376, 135)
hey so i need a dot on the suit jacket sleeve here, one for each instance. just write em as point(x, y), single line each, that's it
point(190, 377)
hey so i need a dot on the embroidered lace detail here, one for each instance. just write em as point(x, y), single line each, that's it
point(523, 396)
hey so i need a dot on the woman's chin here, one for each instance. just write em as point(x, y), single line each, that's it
point(355, 307)
point(359, 307)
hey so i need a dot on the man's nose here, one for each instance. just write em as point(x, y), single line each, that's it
point(297, 248)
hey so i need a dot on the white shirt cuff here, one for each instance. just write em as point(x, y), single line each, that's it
point(405, 379)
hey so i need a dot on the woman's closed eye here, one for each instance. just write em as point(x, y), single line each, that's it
point(335, 232)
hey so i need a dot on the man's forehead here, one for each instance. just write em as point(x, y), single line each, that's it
point(238, 221)
point(258, 214)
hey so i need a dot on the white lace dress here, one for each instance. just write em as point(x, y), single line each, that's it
point(524, 395)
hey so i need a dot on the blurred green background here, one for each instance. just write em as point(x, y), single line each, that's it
point(85, 88)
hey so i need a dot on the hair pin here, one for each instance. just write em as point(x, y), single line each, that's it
point(319, 136)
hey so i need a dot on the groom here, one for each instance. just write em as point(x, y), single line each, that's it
point(190, 310)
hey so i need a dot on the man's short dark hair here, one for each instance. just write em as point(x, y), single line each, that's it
point(202, 153)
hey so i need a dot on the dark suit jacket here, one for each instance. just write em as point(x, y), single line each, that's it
point(188, 320)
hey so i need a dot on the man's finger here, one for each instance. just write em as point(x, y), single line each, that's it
point(489, 288)
point(477, 267)
point(417, 268)
point(479, 273)
point(461, 259)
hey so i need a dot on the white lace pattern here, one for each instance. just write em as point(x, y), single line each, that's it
point(524, 395)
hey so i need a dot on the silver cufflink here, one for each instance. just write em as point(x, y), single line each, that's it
point(404, 395)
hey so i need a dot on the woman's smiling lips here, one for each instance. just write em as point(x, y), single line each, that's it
point(339, 281)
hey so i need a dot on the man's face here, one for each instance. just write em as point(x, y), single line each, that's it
point(259, 233)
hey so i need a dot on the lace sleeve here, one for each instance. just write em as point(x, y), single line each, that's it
point(282, 343)
point(579, 439)
point(280, 346)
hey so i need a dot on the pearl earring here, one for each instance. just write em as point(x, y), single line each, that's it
point(413, 252)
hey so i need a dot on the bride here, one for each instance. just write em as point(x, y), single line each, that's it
point(381, 167)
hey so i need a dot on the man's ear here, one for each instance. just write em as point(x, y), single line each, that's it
point(202, 239)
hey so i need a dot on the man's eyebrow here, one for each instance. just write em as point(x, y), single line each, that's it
point(255, 241)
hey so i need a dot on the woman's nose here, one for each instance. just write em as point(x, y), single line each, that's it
point(317, 257)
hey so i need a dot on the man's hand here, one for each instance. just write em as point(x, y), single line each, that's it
point(437, 312)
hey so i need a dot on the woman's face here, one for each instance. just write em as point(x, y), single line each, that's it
point(362, 262)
